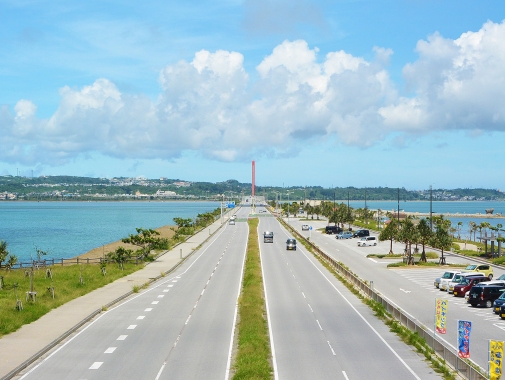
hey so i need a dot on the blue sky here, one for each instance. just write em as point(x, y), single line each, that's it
point(330, 93)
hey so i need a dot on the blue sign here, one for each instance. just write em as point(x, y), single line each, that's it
point(230, 205)
point(310, 228)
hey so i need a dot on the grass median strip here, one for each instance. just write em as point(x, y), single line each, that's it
point(253, 355)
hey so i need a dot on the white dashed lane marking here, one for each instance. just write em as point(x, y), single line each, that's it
point(110, 350)
point(122, 337)
point(131, 327)
point(96, 365)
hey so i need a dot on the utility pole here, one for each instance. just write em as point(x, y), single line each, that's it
point(398, 214)
point(431, 209)
point(366, 213)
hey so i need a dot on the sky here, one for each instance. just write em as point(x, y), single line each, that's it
point(364, 93)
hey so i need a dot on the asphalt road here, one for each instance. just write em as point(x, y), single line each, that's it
point(412, 289)
point(181, 327)
point(319, 329)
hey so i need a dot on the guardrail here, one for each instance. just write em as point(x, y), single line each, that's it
point(463, 368)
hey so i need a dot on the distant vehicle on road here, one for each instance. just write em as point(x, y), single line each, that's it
point(368, 240)
point(305, 227)
point(231, 222)
point(361, 233)
point(291, 245)
point(268, 237)
point(344, 235)
point(333, 230)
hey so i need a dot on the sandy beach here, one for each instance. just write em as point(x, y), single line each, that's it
point(165, 232)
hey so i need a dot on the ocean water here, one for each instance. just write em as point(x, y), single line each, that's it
point(68, 229)
point(453, 207)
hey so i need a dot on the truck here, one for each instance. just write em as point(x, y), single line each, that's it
point(268, 237)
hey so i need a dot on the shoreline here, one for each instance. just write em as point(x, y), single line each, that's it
point(101, 251)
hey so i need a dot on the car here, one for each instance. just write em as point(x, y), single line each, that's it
point(485, 293)
point(291, 245)
point(344, 235)
point(498, 303)
point(484, 268)
point(333, 230)
point(456, 280)
point(361, 233)
point(305, 227)
point(446, 277)
point(268, 237)
point(502, 277)
point(231, 222)
point(368, 240)
point(467, 283)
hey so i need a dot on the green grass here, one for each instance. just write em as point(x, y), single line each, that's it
point(253, 355)
point(429, 255)
point(66, 286)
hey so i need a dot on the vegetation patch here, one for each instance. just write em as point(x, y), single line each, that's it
point(67, 285)
point(253, 355)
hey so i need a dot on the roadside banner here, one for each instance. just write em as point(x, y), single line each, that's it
point(495, 359)
point(464, 330)
point(441, 315)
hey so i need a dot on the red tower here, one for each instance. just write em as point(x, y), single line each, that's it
point(253, 178)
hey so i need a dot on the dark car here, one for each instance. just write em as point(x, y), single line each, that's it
point(485, 293)
point(333, 230)
point(361, 233)
point(467, 283)
point(291, 244)
point(498, 303)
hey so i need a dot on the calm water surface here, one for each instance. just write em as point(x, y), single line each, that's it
point(68, 229)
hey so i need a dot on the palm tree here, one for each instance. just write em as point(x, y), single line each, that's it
point(460, 224)
point(441, 238)
point(390, 233)
point(425, 235)
point(3, 251)
point(406, 236)
point(471, 229)
point(11, 261)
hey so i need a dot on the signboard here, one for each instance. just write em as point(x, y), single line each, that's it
point(441, 315)
point(230, 205)
point(464, 330)
point(495, 359)
point(310, 228)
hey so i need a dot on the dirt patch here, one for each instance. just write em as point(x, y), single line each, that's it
point(468, 246)
point(165, 232)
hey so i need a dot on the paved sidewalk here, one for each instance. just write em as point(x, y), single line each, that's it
point(19, 346)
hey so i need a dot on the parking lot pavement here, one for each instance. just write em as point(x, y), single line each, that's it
point(424, 278)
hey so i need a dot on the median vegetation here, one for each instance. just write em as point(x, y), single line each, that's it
point(253, 356)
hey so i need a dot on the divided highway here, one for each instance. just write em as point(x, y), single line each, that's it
point(319, 329)
point(180, 328)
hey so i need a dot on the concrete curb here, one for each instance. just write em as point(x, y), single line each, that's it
point(76, 327)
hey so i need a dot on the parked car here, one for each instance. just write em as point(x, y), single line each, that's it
point(344, 235)
point(446, 278)
point(291, 245)
point(333, 230)
point(484, 268)
point(368, 240)
point(305, 227)
point(498, 303)
point(456, 280)
point(361, 233)
point(485, 293)
point(467, 283)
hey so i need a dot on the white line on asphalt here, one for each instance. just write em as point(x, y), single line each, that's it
point(141, 317)
point(202, 292)
point(372, 260)
point(331, 348)
point(161, 296)
point(364, 320)
point(310, 308)
point(148, 309)
point(187, 320)
point(169, 286)
point(345, 375)
point(319, 324)
point(155, 302)
point(303, 294)
point(96, 365)
point(228, 364)
point(121, 337)
point(110, 350)
point(174, 280)
point(165, 290)
point(131, 327)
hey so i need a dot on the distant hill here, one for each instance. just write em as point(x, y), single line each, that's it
point(84, 188)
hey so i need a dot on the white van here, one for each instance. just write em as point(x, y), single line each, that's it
point(367, 240)
point(457, 280)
